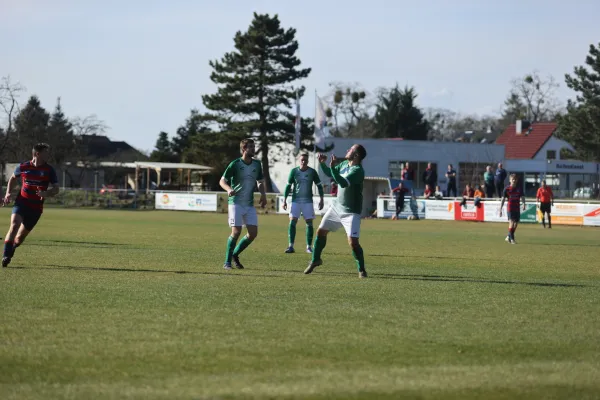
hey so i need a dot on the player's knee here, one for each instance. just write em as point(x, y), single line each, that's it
point(309, 222)
point(321, 232)
point(353, 242)
point(235, 233)
point(252, 235)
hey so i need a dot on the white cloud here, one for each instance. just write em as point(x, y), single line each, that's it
point(445, 92)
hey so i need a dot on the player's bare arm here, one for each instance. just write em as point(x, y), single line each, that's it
point(263, 194)
point(53, 191)
point(223, 183)
point(12, 183)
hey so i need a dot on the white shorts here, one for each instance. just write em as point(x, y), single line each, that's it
point(306, 209)
point(240, 215)
point(332, 221)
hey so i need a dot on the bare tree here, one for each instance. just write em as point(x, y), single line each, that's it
point(81, 159)
point(9, 107)
point(533, 98)
point(350, 109)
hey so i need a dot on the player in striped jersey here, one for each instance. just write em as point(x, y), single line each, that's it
point(515, 195)
point(300, 183)
point(36, 177)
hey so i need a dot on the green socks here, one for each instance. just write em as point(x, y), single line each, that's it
point(245, 242)
point(358, 255)
point(320, 243)
point(310, 232)
point(230, 246)
point(292, 231)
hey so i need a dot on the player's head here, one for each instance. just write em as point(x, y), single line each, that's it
point(543, 184)
point(247, 147)
point(356, 153)
point(41, 152)
point(513, 179)
point(303, 160)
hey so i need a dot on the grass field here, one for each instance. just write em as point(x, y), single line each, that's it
point(117, 304)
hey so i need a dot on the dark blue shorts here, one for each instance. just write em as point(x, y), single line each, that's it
point(29, 215)
point(514, 216)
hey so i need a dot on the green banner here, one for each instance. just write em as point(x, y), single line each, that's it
point(530, 214)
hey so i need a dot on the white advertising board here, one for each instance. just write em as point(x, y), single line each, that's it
point(185, 201)
point(439, 209)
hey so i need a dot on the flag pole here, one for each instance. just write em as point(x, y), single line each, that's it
point(315, 140)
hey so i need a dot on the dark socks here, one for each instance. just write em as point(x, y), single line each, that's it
point(230, 246)
point(292, 231)
point(357, 253)
point(320, 243)
point(245, 242)
point(8, 249)
point(310, 232)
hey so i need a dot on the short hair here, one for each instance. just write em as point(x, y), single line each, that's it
point(514, 176)
point(244, 143)
point(361, 151)
point(40, 147)
point(302, 155)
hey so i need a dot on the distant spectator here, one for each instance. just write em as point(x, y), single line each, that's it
point(468, 194)
point(439, 195)
point(499, 179)
point(488, 179)
point(427, 193)
point(399, 193)
point(478, 195)
point(334, 188)
point(430, 176)
point(408, 176)
point(451, 177)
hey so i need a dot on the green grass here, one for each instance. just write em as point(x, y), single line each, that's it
point(118, 304)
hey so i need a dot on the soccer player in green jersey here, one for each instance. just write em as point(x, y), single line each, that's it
point(239, 181)
point(346, 209)
point(301, 180)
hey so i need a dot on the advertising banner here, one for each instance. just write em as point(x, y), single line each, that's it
point(386, 208)
point(591, 216)
point(185, 201)
point(566, 214)
point(439, 209)
point(468, 212)
point(492, 210)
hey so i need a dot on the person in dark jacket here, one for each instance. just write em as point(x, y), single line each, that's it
point(451, 177)
point(499, 179)
point(430, 176)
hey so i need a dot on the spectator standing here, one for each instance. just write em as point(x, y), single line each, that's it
point(488, 180)
point(451, 177)
point(430, 176)
point(499, 179)
point(408, 176)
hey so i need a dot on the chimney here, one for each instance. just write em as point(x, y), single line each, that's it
point(519, 127)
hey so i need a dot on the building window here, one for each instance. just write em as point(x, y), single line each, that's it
point(551, 155)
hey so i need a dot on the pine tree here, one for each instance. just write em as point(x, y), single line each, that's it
point(195, 124)
point(163, 151)
point(60, 135)
point(397, 116)
point(580, 126)
point(254, 96)
point(31, 127)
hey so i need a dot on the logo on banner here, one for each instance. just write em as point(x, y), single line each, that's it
point(594, 213)
point(165, 199)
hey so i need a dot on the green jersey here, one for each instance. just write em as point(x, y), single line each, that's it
point(300, 183)
point(350, 180)
point(242, 178)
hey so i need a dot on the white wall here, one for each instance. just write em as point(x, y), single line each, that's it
point(553, 144)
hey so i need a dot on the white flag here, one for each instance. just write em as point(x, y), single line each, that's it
point(321, 128)
point(298, 123)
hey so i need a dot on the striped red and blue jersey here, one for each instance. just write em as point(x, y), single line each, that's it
point(33, 179)
point(513, 194)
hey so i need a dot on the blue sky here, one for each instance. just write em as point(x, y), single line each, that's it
point(140, 66)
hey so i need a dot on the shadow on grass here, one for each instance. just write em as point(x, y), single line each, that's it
point(440, 278)
point(409, 277)
point(82, 244)
point(146, 270)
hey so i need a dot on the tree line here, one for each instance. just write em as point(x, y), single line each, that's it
point(258, 82)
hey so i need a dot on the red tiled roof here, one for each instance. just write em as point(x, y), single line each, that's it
point(522, 146)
